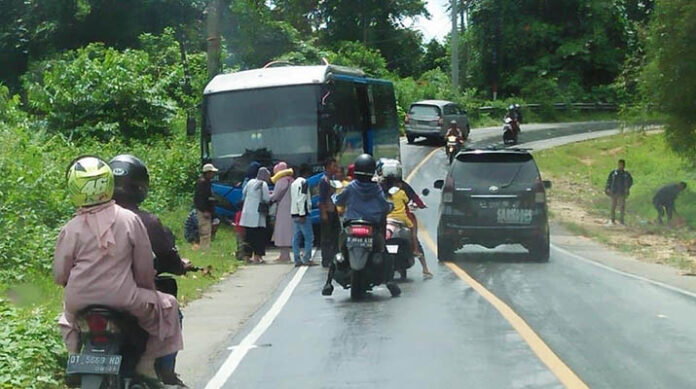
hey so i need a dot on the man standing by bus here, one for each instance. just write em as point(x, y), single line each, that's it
point(330, 223)
point(205, 204)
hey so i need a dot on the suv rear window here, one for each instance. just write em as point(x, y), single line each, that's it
point(500, 169)
point(424, 110)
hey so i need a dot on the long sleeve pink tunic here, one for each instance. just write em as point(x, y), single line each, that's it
point(103, 256)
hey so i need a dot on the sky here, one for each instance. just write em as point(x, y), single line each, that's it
point(439, 24)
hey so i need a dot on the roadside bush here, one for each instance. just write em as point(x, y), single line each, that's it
point(33, 203)
point(100, 92)
point(32, 354)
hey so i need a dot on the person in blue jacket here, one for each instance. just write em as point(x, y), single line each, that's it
point(364, 199)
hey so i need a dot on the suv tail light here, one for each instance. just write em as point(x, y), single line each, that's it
point(361, 231)
point(539, 192)
point(407, 119)
point(448, 190)
point(440, 121)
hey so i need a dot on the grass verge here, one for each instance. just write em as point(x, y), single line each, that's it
point(577, 200)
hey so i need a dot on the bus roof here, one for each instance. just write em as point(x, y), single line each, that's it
point(277, 76)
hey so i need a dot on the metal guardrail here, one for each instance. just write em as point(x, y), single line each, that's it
point(559, 107)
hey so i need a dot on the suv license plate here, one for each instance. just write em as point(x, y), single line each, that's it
point(514, 216)
point(94, 364)
point(359, 242)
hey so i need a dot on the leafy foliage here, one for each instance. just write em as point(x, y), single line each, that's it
point(100, 92)
point(669, 77)
point(31, 351)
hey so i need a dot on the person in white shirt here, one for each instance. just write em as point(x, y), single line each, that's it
point(300, 206)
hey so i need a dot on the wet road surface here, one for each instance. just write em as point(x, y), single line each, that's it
point(608, 330)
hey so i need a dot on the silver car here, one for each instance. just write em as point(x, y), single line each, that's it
point(431, 119)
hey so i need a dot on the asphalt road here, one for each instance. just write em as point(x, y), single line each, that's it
point(486, 320)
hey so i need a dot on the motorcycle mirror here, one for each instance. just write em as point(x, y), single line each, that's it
point(426, 192)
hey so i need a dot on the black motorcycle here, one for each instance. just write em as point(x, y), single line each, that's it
point(360, 266)
point(399, 246)
point(111, 346)
point(452, 148)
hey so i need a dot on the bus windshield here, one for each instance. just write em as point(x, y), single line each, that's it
point(280, 120)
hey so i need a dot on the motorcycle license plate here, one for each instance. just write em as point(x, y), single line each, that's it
point(94, 364)
point(514, 216)
point(354, 241)
point(392, 248)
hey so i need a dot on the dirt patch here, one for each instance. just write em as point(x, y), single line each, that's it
point(648, 242)
point(614, 151)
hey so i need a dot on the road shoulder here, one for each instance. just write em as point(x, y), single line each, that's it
point(211, 321)
point(588, 249)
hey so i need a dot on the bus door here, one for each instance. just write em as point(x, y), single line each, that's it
point(365, 104)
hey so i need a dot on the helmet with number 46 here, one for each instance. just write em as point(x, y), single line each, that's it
point(90, 181)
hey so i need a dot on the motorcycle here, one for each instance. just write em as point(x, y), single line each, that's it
point(452, 148)
point(510, 131)
point(358, 266)
point(112, 344)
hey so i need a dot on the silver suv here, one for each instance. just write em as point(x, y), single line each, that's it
point(431, 119)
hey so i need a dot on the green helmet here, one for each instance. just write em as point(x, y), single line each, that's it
point(90, 181)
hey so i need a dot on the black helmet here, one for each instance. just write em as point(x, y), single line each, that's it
point(365, 167)
point(131, 179)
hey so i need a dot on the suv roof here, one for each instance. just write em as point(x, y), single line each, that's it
point(439, 103)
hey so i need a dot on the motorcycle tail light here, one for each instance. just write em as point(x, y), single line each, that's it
point(98, 326)
point(361, 231)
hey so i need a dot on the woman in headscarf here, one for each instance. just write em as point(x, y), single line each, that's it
point(282, 231)
point(243, 249)
point(103, 257)
point(256, 198)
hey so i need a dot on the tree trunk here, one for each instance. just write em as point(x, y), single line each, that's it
point(213, 21)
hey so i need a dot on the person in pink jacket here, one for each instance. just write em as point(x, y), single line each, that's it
point(103, 257)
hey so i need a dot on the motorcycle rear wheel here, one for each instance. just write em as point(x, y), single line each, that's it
point(357, 284)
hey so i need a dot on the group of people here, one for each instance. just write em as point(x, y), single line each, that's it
point(618, 187)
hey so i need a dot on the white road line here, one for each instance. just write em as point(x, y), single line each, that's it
point(623, 273)
point(249, 342)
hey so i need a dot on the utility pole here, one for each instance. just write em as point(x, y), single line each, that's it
point(213, 13)
point(454, 40)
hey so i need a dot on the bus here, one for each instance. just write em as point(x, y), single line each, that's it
point(301, 115)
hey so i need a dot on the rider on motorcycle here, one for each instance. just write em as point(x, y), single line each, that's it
point(103, 257)
point(454, 130)
point(363, 199)
point(131, 186)
point(393, 177)
point(515, 116)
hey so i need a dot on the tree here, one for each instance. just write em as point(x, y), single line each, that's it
point(377, 24)
point(435, 56)
point(669, 77)
point(573, 44)
point(303, 15)
point(254, 38)
point(355, 54)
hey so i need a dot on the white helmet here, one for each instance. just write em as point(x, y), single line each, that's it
point(391, 168)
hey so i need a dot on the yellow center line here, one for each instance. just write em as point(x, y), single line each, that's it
point(564, 374)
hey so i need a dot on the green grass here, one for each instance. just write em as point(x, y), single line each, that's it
point(652, 164)
point(580, 170)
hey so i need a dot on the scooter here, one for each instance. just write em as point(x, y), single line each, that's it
point(399, 246)
point(510, 132)
point(359, 266)
point(452, 148)
point(112, 344)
